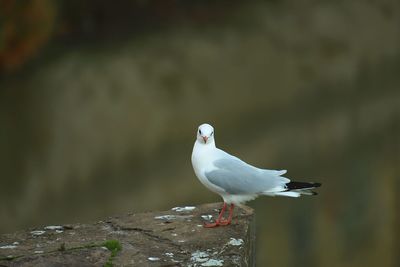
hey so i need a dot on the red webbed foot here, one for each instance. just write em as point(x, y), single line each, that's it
point(225, 222)
point(211, 225)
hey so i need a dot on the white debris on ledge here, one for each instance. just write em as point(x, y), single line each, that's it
point(199, 256)
point(170, 217)
point(8, 247)
point(181, 209)
point(165, 217)
point(235, 242)
point(213, 262)
point(38, 232)
point(204, 260)
point(206, 217)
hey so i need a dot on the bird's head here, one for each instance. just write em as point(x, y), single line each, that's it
point(205, 134)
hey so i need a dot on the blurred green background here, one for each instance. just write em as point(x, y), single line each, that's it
point(100, 102)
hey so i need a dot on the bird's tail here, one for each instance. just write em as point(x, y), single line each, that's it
point(296, 189)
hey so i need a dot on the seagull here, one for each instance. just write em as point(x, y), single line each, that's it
point(236, 181)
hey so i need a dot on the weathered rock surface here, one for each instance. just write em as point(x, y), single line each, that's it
point(169, 238)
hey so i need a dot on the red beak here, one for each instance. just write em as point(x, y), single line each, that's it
point(205, 138)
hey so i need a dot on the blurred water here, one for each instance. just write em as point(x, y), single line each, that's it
point(92, 133)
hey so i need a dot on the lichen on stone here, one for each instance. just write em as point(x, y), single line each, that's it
point(182, 209)
point(235, 242)
point(207, 217)
point(8, 247)
point(37, 232)
point(201, 258)
point(213, 262)
point(165, 217)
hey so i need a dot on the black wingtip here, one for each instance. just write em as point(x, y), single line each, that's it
point(301, 185)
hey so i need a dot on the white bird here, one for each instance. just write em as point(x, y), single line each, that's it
point(236, 181)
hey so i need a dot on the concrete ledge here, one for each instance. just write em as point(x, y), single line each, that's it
point(169, 238)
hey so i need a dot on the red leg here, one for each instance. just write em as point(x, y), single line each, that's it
point(217, 222)
point(226, 222)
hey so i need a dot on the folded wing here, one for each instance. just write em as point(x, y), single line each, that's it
point(237, 177)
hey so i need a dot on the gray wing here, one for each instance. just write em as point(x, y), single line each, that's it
point(238, 177)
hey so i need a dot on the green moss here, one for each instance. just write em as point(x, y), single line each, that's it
point(10, 258)
point(114, 246)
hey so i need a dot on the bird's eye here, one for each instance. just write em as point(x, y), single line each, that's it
point(212, 133)
point(199, 131)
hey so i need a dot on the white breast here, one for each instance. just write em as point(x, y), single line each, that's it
point(202, 162)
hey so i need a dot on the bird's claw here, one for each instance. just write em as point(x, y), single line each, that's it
point(217, 223)
point(224, 222)
point(211, 225)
